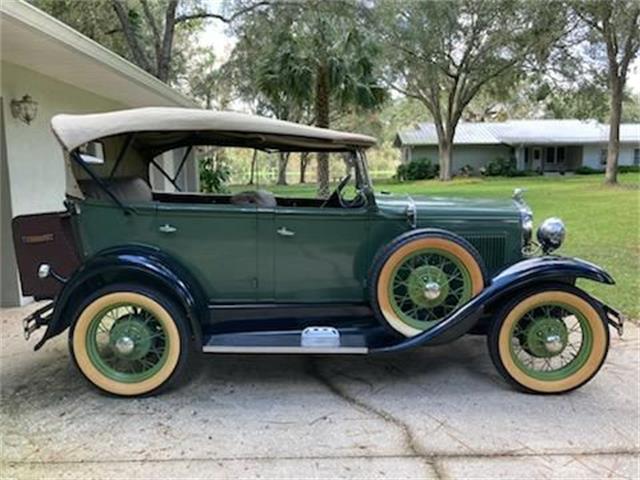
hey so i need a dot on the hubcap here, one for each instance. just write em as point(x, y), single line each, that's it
point(125, 345)
point(431, 290)
point(553, 344)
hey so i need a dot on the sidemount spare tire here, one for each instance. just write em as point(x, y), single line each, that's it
point(423, 276)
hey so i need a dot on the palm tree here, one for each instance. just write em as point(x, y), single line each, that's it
point(317, 64)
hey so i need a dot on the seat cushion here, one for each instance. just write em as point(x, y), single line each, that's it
point(126, 189)
point(260, 198)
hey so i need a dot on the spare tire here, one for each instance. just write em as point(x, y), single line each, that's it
point(423, 276)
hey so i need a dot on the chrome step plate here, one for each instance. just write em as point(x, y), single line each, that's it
point(311, 340)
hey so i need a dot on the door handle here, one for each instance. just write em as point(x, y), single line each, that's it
point(284, 232)
point(166, 228)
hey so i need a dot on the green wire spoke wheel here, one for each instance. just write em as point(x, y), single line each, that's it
point(428, 286)
point(127, 343)
point(550, 340)
point(424, 280)
point(128, 340)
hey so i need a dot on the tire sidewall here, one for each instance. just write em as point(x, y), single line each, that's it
point(177, 325)
point(599, 324)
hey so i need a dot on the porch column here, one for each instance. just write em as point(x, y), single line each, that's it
point(520, 158)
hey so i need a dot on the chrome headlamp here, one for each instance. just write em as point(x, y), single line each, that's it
point(551, 234)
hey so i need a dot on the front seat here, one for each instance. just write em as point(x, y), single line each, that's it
point(260, 198)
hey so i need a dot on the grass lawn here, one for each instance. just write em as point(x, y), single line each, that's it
point(603, 223)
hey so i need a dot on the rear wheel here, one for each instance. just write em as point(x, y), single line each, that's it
point(550, 339)
point(128, 340)
point(424, 277)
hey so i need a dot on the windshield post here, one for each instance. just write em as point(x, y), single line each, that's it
point(363, 169)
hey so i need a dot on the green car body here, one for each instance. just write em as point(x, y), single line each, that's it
point(237, 256)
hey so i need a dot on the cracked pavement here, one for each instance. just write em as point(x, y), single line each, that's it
point(442, 412)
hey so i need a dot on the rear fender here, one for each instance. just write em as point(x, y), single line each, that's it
point(132, 263)
point(519, 275)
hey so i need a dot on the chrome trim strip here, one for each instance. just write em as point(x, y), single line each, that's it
point(276, 350)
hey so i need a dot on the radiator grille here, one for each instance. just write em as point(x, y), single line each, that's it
point(491, 249)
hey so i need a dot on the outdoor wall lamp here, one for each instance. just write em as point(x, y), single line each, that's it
point(24, 109)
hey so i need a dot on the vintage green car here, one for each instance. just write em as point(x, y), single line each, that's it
point(144, 279)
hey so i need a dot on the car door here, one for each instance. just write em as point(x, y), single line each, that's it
point(320, 254)
point(217, 243)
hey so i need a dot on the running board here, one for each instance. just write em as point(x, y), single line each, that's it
point(311, 340)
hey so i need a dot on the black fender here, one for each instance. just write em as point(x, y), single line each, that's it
point(519, 275)
point(133, 263)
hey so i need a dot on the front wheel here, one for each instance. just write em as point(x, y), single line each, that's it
point(129, 340)
point(549, 339)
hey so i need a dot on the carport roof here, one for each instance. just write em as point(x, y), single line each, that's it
point(34, 40)
point(518, 132)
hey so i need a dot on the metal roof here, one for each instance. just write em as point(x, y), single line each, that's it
point(515, 132)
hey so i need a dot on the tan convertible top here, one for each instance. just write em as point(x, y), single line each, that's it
point(226, 128)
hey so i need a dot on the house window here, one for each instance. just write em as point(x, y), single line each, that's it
point(636, 156)
point(561, 154)
point(550, 156)
point(603, 156)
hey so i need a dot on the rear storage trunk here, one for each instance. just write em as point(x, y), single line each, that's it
point(44, 238)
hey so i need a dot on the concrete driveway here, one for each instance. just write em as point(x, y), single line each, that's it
point(434, 413)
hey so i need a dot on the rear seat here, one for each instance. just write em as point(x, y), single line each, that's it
point(126, 189)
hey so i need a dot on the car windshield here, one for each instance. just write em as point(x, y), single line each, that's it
point(207, 169)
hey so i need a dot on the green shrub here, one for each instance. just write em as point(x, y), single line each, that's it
point(418, 169)
point(213, 175)
point(629, 169)
point(500, 168)
point(584, 170)
point(466, 171)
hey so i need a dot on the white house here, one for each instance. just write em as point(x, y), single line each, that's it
point(62, 71)
point(539, 145)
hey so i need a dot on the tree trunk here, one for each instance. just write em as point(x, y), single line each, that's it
point(164, 60)
point(611, 174)
point(252, 171)
point(283, 161)
point(445, 147)
point(304, 161)
point(322, 121)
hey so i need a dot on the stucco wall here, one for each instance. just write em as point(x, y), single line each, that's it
point(591, 155)
point(475, 155)
point(36, 165)
point(34, 160)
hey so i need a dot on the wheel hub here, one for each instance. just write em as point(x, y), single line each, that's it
point(130, 337)
point(431, 290)
point(546, 337)
point(428, 286)
point(125, 345)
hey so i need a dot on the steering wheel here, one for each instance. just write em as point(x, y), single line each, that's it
point(335, 195)
point(358, 201)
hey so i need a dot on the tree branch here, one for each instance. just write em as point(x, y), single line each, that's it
point(222, 18)
point(154, 26)
point(130, 36)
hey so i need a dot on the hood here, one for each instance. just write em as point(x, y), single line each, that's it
point(447, 206)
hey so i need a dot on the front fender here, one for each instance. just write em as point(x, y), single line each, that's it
point(135, 262)
point(517, 276)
